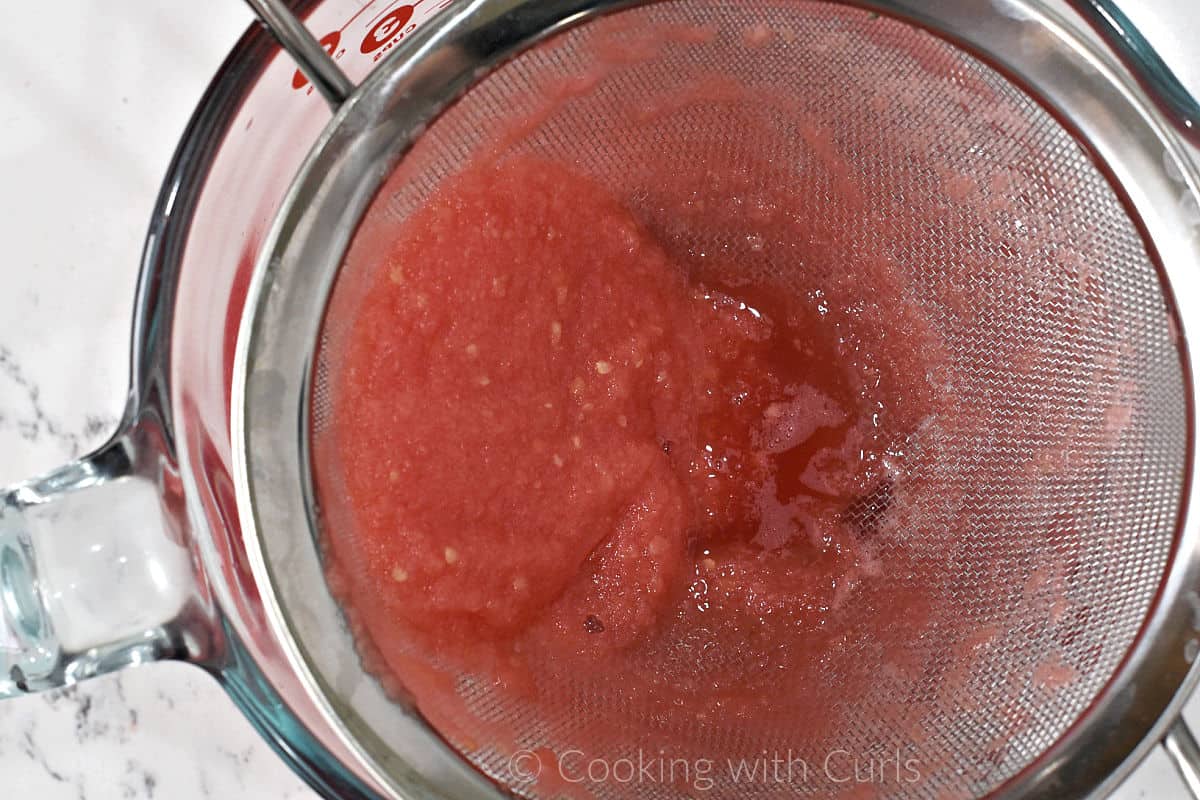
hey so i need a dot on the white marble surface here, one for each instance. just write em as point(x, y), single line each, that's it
point(93, 97)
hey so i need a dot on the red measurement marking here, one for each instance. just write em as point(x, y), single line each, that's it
point(388, 7)
point(391, 23)
point(358, 14)
point(387, 29)
point(330, 43)
point(366, 6)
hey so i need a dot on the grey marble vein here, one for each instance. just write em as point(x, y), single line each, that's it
point(34, 421)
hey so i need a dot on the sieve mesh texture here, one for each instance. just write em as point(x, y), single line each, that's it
point(1043, 497)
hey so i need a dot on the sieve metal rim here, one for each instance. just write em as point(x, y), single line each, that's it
point(271, 376)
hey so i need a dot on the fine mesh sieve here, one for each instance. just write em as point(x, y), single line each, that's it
point(1038, 503)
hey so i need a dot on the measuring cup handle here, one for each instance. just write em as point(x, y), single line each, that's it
point(1143, 60)
point(1181, 746)
point(95, 572)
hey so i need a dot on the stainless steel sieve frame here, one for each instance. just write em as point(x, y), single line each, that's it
point(1127, 131)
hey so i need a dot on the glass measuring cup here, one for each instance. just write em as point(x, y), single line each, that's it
point(171, 461)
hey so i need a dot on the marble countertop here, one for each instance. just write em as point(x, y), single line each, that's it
point(93, 97)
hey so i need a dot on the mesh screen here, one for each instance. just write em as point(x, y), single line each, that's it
point(1041, 499)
